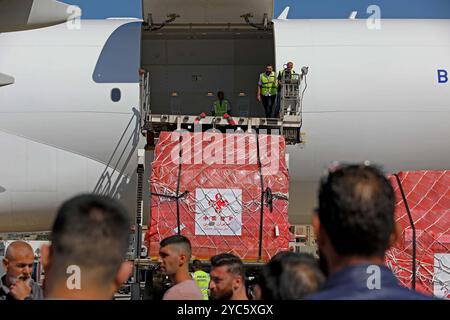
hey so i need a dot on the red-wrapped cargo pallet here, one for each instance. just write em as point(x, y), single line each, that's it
point(217, 185)
point(428, 197)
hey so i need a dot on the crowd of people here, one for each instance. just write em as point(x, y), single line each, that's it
point(354, 225)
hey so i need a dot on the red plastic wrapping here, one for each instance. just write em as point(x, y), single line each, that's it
point(220, 188)
point(428, 197)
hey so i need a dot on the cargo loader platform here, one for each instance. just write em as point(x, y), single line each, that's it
point(288, 126)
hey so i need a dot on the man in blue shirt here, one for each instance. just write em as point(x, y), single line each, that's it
point(355, 226)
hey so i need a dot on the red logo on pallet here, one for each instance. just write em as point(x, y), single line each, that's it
point(219, 203)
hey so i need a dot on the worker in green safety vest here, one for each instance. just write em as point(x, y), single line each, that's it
point(201, 278)
point(221, 105)
point(287, 73)
point(267, 90)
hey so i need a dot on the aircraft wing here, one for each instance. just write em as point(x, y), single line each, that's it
point(5, 80)
point(17, 15)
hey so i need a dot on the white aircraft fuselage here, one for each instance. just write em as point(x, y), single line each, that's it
point(377, 95)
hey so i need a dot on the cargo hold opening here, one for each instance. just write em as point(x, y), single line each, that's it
point(205, 50)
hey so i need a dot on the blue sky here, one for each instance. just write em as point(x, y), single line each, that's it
point(314, 9)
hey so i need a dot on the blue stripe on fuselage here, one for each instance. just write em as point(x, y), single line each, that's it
point(338, 9)
point(120, 58)
point(300, 9)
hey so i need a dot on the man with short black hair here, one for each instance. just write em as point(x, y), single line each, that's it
point(267, 90)
point(355, 226)
point(17, 283)
point(289, 276)
point(86, 258)
point(221, 106)
point(174, 256)
point(227, 278)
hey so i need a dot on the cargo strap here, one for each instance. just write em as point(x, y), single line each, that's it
point(413, 228)
point(169, 196)
point(177, 195)
point(266, 194)
point(269, 198)
point(261, 220)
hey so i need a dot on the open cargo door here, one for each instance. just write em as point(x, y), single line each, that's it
point(207, 11)
point(184, 74)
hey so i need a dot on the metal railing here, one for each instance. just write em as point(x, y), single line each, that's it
point(290, 95)
point(290, 99)
point(145, 109)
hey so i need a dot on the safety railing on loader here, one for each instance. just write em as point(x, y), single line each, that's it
point(145, 98)
point(290, 95)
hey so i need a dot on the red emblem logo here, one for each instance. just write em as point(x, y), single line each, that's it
point(219, 204)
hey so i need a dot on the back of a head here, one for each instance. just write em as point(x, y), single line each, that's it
point(234, 264)
point(179, 242)
point(92, 232)
point(197, 265)
point(356, 209)
point(290, 276)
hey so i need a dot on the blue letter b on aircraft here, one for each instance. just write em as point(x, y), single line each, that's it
point(442, 76)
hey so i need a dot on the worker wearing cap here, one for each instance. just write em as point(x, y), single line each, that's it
point(221, 106)
point(267, 90)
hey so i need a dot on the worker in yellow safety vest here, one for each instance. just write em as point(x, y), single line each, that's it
point(221, 105)
point(287, 73)
point(267, 90)
point(201, 278)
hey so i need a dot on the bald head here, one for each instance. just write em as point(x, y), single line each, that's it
point(17, 249)
point(18, 262)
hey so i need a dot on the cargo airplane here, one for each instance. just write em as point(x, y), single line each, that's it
point(70, 93)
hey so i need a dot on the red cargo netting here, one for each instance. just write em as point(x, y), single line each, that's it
point(218, 190)
point(428, 198)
